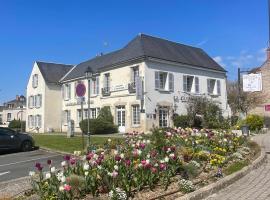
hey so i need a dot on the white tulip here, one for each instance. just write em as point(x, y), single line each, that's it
point(86, 173)
point(47, 175)
point(166, 159)
point(116, 167)
point(61, 188)
point(32, 173)
point(63, 163)
point(63, 179)
point(85, 167)
point(53, 169)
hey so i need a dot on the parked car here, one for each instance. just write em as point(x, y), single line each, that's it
point(12, 140)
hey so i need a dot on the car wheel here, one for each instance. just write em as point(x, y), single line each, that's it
point(26, 146)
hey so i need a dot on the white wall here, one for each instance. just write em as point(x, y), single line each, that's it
point(153, 96)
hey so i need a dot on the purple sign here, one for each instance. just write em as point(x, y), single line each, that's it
point(80, 90)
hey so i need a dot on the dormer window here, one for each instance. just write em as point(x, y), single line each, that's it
point(35, 80)
point(213, 87)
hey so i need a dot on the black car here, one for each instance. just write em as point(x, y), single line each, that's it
point(12, 140)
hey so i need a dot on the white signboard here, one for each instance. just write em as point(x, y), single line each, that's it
point(252, 82)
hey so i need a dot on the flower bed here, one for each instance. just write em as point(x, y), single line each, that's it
point(143, 165)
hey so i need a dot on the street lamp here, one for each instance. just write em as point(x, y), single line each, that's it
point(88, 76)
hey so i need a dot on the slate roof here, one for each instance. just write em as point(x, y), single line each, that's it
point(145, 46)
point(52, 72)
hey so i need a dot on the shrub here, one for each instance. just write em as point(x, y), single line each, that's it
point(255, 122)
point(17, 125)
point(105, 114)
point(186, 186)
point(181, 121)
point(98, 126)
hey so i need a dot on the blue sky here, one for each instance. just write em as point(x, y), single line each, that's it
point(235, 33)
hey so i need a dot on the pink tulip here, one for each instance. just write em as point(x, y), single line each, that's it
point(72, 161)
point(67, 188)
point(162, 166)
point(117, 157)
point(114, 174)
point(154, 170)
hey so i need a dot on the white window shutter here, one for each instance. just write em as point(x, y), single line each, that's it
point(208, 86)
point(40, 100)
point(69, 91)
point(218, 87)
point(185, 83)
point(197, 85)
point(157, 80)
point(97, 85)
point(171, 82)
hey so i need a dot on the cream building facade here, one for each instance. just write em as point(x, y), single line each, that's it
point(44, 100)
point(14, 109)
point(144, 84)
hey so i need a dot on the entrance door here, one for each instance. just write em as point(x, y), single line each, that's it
point(121, 118)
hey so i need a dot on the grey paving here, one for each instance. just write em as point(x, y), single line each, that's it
point(253, 186)
point(17, 165)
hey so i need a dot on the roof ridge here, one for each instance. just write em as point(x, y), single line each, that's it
point(52, 63)
point(171, 41)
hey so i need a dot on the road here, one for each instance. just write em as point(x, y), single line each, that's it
point(17, 165)
point(253, 186)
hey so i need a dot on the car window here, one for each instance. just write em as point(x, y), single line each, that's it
point(6, 131)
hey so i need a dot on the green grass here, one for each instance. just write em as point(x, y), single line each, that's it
point(234, 167)
point(62, 143)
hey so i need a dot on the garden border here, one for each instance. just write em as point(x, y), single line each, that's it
point(224, 182)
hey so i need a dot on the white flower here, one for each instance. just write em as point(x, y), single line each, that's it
point(148, 141)
point(109, 174)
point(140, 165)
point(166, 159)
point(161, 161)
point(171, 155)
point(85, 167)
point(109, 140)
point(63, 179)
point(53, 169)
point(133, 145)
point(59, 175)
point(169, 150)
point(139, 152)
point(86, 173)
point(147, 161)
point(116, 167)
point(122, 155)
point(63, 163)
point(47, 175)
point(61, 188)
point(115, 152)
point(225, 140)
point(77, 153)
point(99, 167)
point(156, 165)
point(84, 157)
point(148, 156)
point(32, 173)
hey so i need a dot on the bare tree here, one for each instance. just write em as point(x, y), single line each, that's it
point(245, 101)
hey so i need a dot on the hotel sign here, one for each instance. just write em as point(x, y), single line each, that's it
point(252, 82)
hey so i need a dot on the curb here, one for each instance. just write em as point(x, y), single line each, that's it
point(224, 182)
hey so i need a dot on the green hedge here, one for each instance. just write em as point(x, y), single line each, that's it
point(17, 125)
point(98, 126)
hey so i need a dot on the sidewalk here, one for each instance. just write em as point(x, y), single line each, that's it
point(253, 186)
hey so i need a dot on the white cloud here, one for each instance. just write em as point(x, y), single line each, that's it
point(201, 43)
point(219, 60)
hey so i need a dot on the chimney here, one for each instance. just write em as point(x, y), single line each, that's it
point(268, 54)
point(17, 97)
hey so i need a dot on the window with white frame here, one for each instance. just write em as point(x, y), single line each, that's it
point(134, 74)
point(85, 115)
point(67, 91)
point(79, 115)
point(35, 80)
point(94, 86)
point(191, 84)
point(135, 115)
point(213, 87)
point(163, 116)
point(66, 116)
point(38, 121)
point(93, 113)
point(106, 82)
point(38, 100)
point(9, 117)
point(29, 121)
point(164, 81)
point(33, 122)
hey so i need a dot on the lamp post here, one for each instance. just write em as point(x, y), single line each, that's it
point(88, 75)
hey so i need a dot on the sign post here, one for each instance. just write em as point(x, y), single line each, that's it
point(80, 92)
